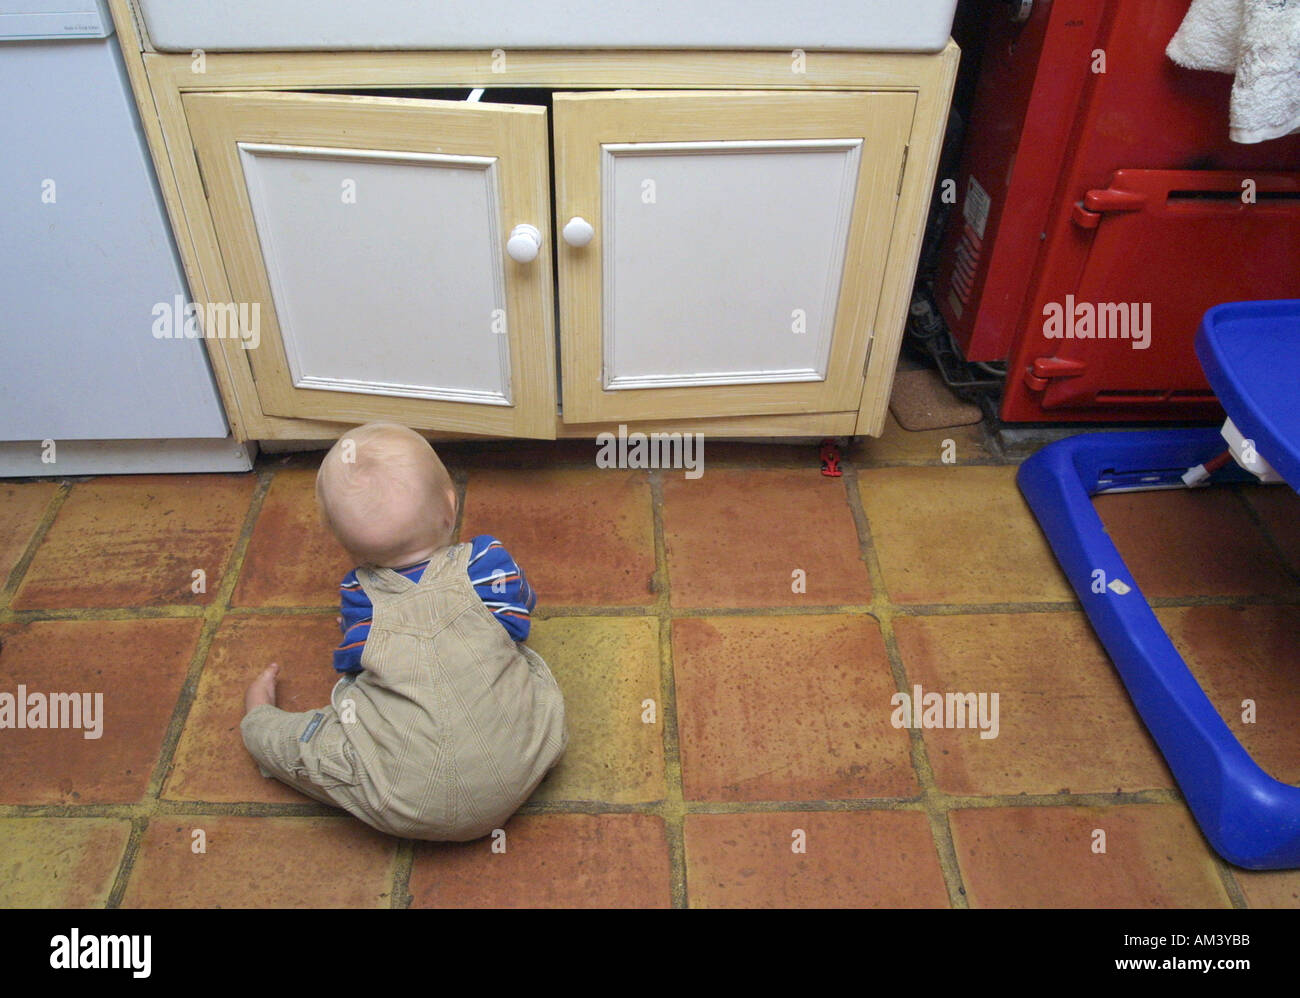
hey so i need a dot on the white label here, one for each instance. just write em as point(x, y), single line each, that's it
point(976, 207)
point(85, 19)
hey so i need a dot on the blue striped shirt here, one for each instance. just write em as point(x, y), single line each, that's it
point(499, 582)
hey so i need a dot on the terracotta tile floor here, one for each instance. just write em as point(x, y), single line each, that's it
point(729, 647)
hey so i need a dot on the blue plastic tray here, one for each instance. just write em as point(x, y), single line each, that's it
point(1248, 350)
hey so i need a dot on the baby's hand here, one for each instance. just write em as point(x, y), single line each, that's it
point(262, 689)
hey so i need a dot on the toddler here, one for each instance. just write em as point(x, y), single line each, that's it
point(443, 722)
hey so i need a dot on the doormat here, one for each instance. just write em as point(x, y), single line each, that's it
point(921, 401)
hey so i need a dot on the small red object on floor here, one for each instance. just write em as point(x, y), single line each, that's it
point(831, 459)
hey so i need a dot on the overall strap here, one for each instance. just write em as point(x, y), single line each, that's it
point(448, 568)
point(444, 570)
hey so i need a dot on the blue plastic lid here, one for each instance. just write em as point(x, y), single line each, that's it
point(1250, 351)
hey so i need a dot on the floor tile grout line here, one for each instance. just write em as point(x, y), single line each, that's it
point(940, 831)
point(460, 480)
point(180, 612)
point(330, 610)
point(167, 807)
point(213, 614)
point(1236, 896)
point(1225, 870)
point(675, 807)
point(172, 611)
point(43, 525)
point(126, 865)
point(403, 863)
point(878, 464)
point(1292, 571)
point(1178, 602)
point(943, 802)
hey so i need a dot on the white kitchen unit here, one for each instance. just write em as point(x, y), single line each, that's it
point(87, 257)
point(322, 25)
point(479, 239)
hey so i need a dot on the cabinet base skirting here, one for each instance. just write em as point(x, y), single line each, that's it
point(290, 435)
point(26, 458)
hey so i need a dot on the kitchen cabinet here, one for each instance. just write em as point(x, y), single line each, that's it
point(702, 241)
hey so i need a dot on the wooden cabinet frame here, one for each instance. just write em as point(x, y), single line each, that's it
point(161, 80)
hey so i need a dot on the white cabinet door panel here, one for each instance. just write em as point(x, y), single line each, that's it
point(412, 237)
point(742, 282)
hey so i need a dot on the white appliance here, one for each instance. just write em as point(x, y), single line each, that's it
point(89, 273)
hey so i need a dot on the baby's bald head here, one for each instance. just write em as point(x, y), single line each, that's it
point(386, 495)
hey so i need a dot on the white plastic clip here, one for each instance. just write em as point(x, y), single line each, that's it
point(1196, 476)
point(1243, 451)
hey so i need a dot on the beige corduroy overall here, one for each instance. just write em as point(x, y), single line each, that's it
point(446, 732)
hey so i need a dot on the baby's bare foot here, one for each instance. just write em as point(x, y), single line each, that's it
point(262, 689)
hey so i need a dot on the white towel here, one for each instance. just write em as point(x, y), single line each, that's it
point(1259, 41)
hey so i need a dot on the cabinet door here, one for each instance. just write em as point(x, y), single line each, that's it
point(738, 248)
point(368, 235)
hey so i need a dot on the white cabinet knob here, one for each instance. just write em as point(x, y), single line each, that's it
point(525, 240)
point(578, 231)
